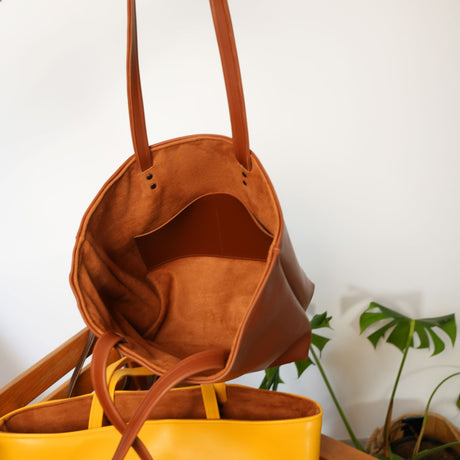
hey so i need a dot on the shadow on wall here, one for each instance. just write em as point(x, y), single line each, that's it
point(357, 299)
point(362, 377)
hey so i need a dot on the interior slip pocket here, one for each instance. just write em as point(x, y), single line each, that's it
point(216, 225)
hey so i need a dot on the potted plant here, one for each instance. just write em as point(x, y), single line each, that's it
point(389, 326)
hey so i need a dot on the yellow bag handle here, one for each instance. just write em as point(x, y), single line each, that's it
point(210, 401)
point(96, 413)
point(212, 393)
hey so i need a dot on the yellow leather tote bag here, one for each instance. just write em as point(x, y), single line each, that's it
point(235, 422)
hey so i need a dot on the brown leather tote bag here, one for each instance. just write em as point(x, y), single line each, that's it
point(182, 260)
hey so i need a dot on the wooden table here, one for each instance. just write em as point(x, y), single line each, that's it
point(41, 376)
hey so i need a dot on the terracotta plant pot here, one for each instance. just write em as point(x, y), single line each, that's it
point(404, 432)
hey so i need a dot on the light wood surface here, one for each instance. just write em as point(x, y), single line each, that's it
point(336, 450)
point(38, 378)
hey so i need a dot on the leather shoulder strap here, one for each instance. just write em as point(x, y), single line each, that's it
point(232, 76)
point(99, 366)
point(190, 366)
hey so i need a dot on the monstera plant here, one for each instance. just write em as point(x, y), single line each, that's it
point(382, 324)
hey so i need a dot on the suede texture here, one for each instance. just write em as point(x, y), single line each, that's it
point(190, 255)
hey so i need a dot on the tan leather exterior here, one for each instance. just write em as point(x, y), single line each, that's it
point(184, 249)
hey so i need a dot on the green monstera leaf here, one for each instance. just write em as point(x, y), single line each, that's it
point(319, 321)
point(272, 376)
point(397, 328)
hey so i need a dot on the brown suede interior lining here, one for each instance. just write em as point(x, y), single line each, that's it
point(174, 268)
point(243, 404)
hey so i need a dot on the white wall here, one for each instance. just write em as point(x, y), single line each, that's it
point(353, 107)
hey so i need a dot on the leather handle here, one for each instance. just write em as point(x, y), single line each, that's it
point(99, 366)
point(212, 393)
point(192, 365)
point(96, 413)
point(135, 101)
point(211, 407)
point(232, 77)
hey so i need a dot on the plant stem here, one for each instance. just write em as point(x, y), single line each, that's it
point(426, 452)
point(386, 433)
point(336, 402)
point(425, 415)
